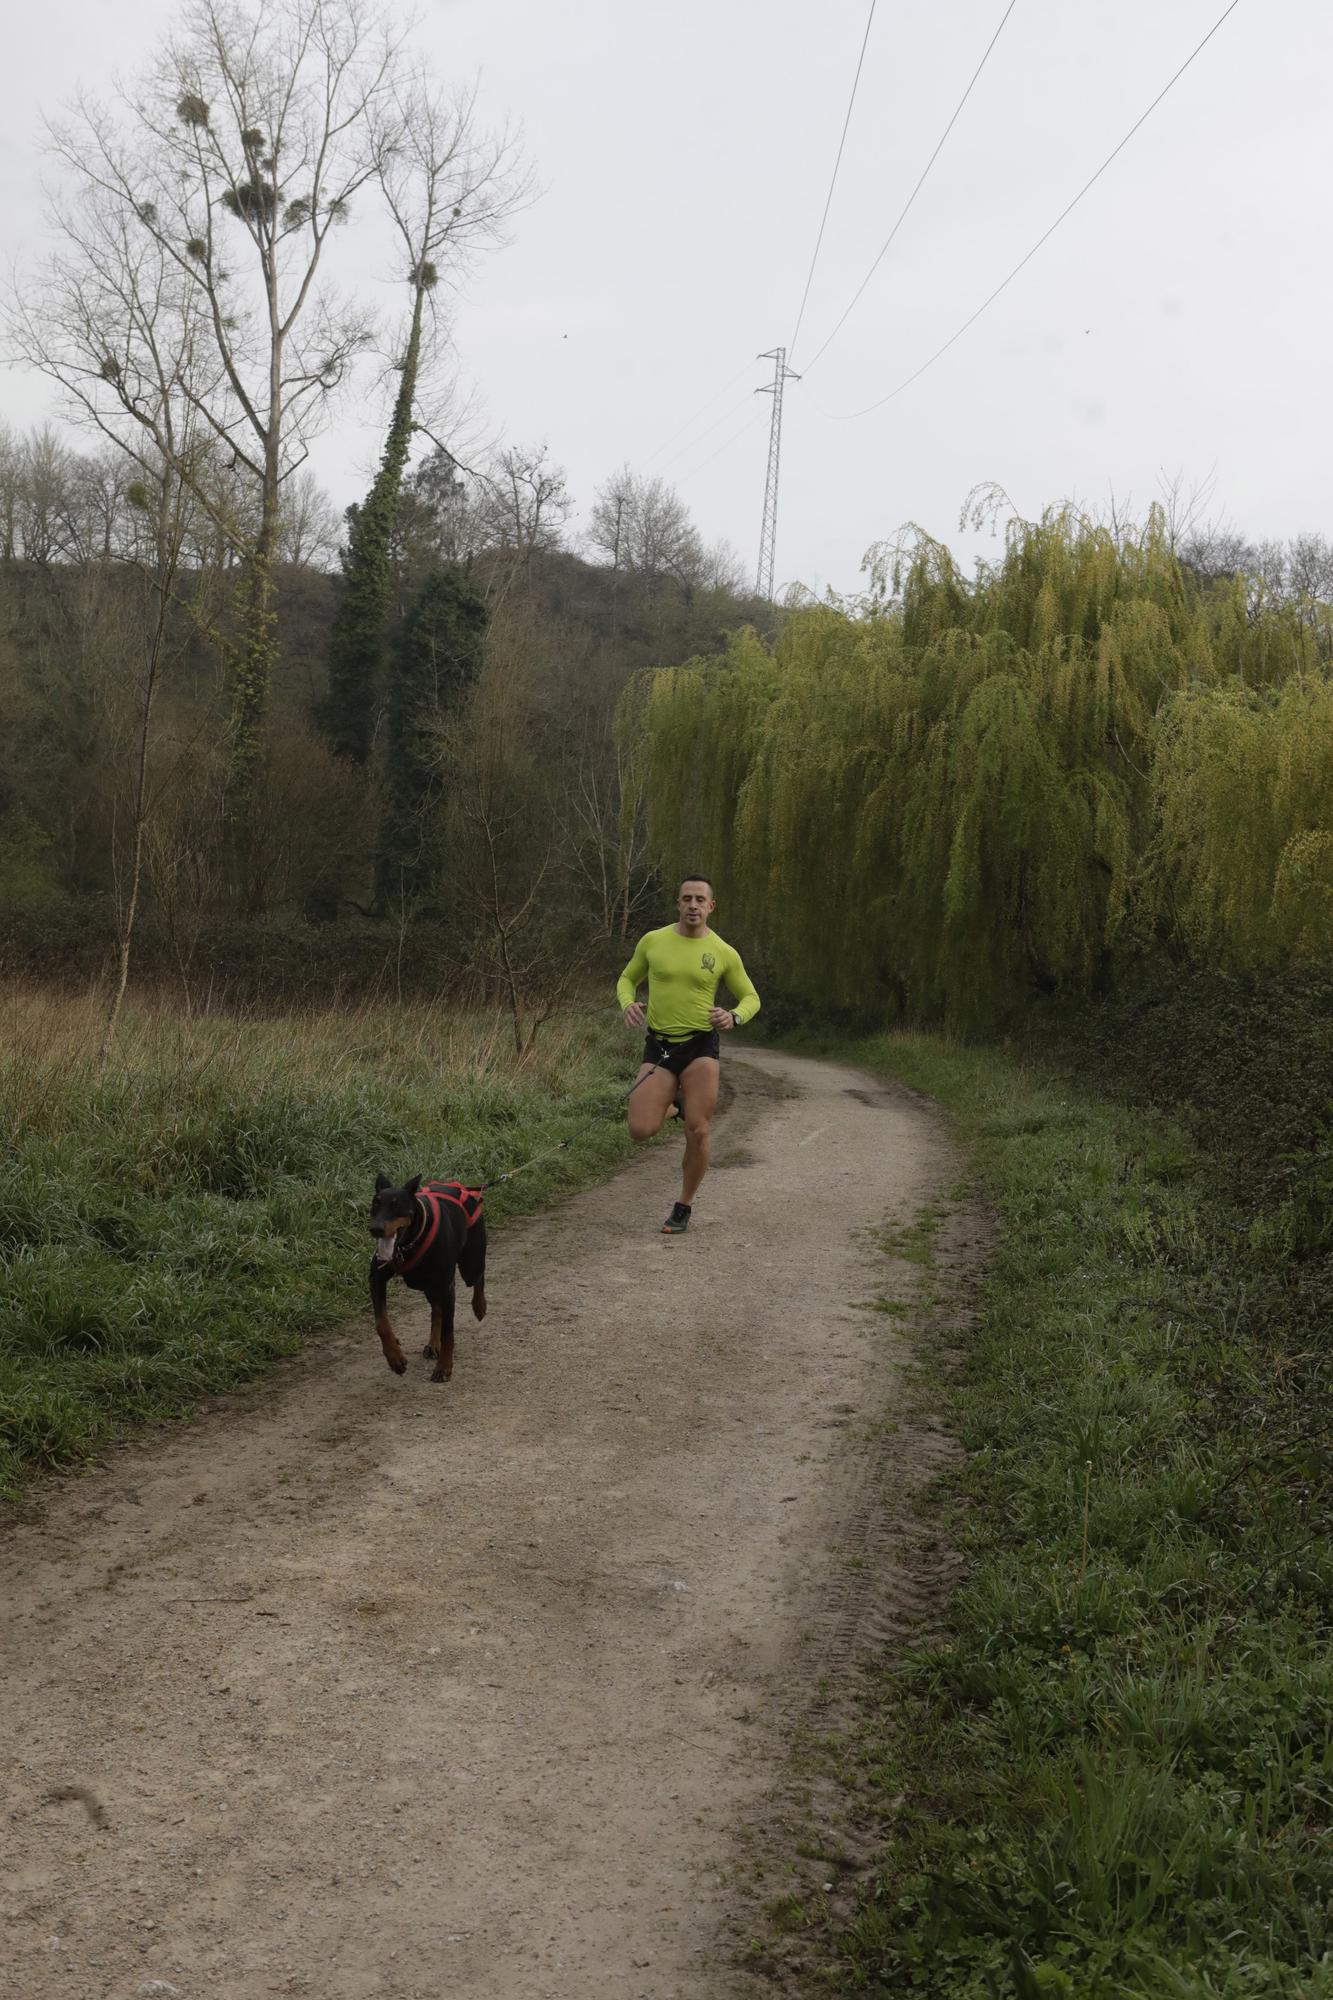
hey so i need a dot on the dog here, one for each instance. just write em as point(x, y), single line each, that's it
point(426, 1233)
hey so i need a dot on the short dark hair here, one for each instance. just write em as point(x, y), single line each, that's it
point(694, 875)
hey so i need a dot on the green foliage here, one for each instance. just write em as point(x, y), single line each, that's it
point(436, 660)
point(28, 876)
point(1247, 1064)
point(172, 1223)
point(1111, 1779)
point(1243, 781)
point(356, 645)
point(252, 663)
point(1010, 786)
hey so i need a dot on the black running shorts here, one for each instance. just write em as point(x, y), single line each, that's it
point(676, 1053)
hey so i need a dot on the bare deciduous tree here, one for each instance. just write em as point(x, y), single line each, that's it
point(604, 826)
point(448, 185)
point(232, 165)
point(507, 845)
point(111, 329)
point(164, 625)
point(724, 569)
point(101, 509)
point(309, 525)
point(47, 526)
point(527, 502)
point(643, 526)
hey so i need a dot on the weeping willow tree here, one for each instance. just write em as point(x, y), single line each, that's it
point(1007, 785)
point(1243, 784)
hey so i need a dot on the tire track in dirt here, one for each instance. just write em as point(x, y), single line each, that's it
point(386, 1689)
point(820, 1836)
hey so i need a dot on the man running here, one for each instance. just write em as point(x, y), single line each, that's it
point(684, 964)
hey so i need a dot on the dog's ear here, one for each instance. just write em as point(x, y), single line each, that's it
point(381, 1182)
point(413, 1184)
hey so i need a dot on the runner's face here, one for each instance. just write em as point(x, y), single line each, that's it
point(695, 904)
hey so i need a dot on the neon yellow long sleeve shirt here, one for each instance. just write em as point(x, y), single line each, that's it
point(683, 976)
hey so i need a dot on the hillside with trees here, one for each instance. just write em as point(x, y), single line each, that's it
point(457, 732)
point(239, 725)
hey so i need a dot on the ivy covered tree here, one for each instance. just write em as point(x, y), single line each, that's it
point(448, 188)
point(356, 642)
point(435, 663)
point(440, 517)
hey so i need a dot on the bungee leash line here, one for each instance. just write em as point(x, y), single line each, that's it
point(559, 1147)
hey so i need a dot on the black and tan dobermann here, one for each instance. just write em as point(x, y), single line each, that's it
point(425, 1234)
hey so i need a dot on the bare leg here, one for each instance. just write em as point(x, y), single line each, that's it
point(699, 1085)
point(650, 1101)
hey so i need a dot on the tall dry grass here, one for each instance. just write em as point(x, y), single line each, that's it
point(174, 1219)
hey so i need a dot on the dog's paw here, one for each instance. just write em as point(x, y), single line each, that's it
point(398, 1362)
point(479, 1303)
point(428, 1352)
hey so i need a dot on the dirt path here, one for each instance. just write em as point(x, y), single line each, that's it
point(382, 1689)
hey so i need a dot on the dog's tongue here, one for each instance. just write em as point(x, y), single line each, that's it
point(384, 1248)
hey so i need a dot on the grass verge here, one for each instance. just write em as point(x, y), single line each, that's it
point(175, 1221)
point(1114, 1777)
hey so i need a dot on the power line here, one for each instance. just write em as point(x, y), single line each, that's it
point(695, 442)
point(915, 191)
point(707, 404)
point(847, 416)
point(834, 180)
point(750, 423)
point(778, 355)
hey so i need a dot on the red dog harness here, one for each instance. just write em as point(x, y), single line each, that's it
point(433, 1197)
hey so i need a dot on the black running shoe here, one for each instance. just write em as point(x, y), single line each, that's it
point(678, 1221)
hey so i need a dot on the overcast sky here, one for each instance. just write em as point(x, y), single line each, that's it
point(1180, 322)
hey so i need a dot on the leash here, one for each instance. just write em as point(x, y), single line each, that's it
point(535, 1161)
point(560, 1146)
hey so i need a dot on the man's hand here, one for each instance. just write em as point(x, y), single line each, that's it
point(721, 1017)
point(636, 1015)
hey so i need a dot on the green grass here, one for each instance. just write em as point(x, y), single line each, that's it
point(1114, 1778)
point(171, 1224)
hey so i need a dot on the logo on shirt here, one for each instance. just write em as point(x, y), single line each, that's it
point(708, 962)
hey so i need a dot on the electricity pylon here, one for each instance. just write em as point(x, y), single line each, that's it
point(768, 534)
